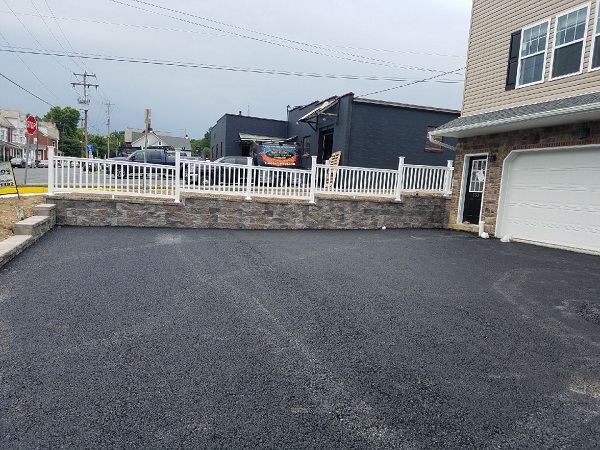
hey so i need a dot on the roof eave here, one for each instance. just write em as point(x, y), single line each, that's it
point(543, 119)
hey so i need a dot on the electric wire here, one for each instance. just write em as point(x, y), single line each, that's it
point(29, 92)
point(318, 46)
point(226, 34)
point(32, 72)
point(364, 60)
point(218, 67)
point(32, 35)
point(49, 29)
point(82, 66)
point(425, 80)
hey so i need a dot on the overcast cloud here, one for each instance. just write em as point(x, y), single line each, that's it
point(415, 41)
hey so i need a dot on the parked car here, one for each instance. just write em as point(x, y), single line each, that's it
point(43, 163)
point(219, 171)
point(153, 155)
point(21, 162)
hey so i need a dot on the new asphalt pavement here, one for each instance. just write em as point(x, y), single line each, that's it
point(416, 339)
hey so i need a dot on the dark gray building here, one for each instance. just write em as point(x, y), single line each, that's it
point(226, 135)
point(369, 133)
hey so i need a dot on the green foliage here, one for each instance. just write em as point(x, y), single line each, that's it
point(67, 120)
point(99, 143)
point(202, 146)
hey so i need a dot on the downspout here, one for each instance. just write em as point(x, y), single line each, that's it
point(440, 143)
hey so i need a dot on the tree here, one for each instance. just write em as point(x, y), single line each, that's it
point(67, 120)
point(99, 144)
point(202, 145)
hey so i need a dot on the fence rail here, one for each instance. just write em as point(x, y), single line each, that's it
point(83, 175)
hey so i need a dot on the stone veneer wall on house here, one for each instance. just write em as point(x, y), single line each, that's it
point(423, 211)
point(502, 145)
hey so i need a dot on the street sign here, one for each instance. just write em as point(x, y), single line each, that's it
point(31, 125)
point(90, 148)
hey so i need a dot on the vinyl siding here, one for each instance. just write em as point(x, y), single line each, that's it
point(492, 23)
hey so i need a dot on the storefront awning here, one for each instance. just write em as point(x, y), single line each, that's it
point(258, 138)
point(319, 109)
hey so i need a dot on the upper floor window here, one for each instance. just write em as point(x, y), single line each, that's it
point(532, 56)
point(595, 58)
point(569, 42)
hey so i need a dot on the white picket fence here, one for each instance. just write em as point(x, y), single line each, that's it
point(96, 176)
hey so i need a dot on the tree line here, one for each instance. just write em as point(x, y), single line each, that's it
point(71, 141)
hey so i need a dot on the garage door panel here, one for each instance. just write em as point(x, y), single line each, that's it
point(553, 197)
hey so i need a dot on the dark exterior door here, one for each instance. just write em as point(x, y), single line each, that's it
point(474, 189)
point(325, 145)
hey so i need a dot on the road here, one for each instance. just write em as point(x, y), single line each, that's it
point(34, 175)
point(157, 338)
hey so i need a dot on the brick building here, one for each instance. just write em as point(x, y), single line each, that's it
point(528, 153)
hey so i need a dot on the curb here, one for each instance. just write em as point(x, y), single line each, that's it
point(28, 231)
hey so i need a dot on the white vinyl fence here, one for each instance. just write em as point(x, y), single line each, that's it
point(115, 178)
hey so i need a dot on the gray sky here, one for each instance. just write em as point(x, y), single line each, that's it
point(399, 39)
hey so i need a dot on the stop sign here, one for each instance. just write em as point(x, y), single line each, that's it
point(31, 125)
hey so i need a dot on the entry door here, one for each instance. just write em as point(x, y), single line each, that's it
point(474, 189)
point(325, 145)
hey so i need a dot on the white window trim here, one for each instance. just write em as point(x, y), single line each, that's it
point(517, 84)
point(584, 40)
point(594, 35)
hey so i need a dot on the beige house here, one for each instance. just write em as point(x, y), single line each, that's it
point(528, 153)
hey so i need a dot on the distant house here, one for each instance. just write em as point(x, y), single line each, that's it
point(369, 133)
point(14, 140)
point(528, 153)
point(178, 143)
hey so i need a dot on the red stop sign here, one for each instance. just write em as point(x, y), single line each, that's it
point(31, 125)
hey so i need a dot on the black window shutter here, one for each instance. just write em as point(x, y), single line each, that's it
point(513, 60)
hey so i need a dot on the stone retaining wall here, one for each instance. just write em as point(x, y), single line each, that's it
point(416, 211)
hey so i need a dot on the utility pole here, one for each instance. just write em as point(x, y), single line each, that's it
point(147, 121)
point(85, 101)
point(108, 105)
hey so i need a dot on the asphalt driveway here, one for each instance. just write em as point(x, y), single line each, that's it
point(155, 338)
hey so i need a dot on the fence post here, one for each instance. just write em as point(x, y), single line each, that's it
point(249, 178)
point(449, 176)
point(313, 178)
point(177, 175)
point(51, 171)
point(400, 180)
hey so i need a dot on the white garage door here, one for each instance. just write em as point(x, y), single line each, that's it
point(552, 197)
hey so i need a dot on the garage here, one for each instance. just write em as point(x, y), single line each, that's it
point(552, 197)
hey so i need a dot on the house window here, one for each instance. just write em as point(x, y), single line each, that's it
point(478, 175)
point(532, 54)
point(430, 147)
point(569, 42)
point(595, 59)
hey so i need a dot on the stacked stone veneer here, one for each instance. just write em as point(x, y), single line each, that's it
point(502, 145)
point(421, 211)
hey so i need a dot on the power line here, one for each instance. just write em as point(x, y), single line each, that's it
point(29, 92)
point(82, 65)
point(226, 34)
point(353, 58)
point(307, 44)
point(225, 68)
point(49, 29)
point(425, 80)
point(64, 35)
point(29, 68)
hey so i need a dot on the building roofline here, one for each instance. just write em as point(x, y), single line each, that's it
point(585, 107)
point(405, 105)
